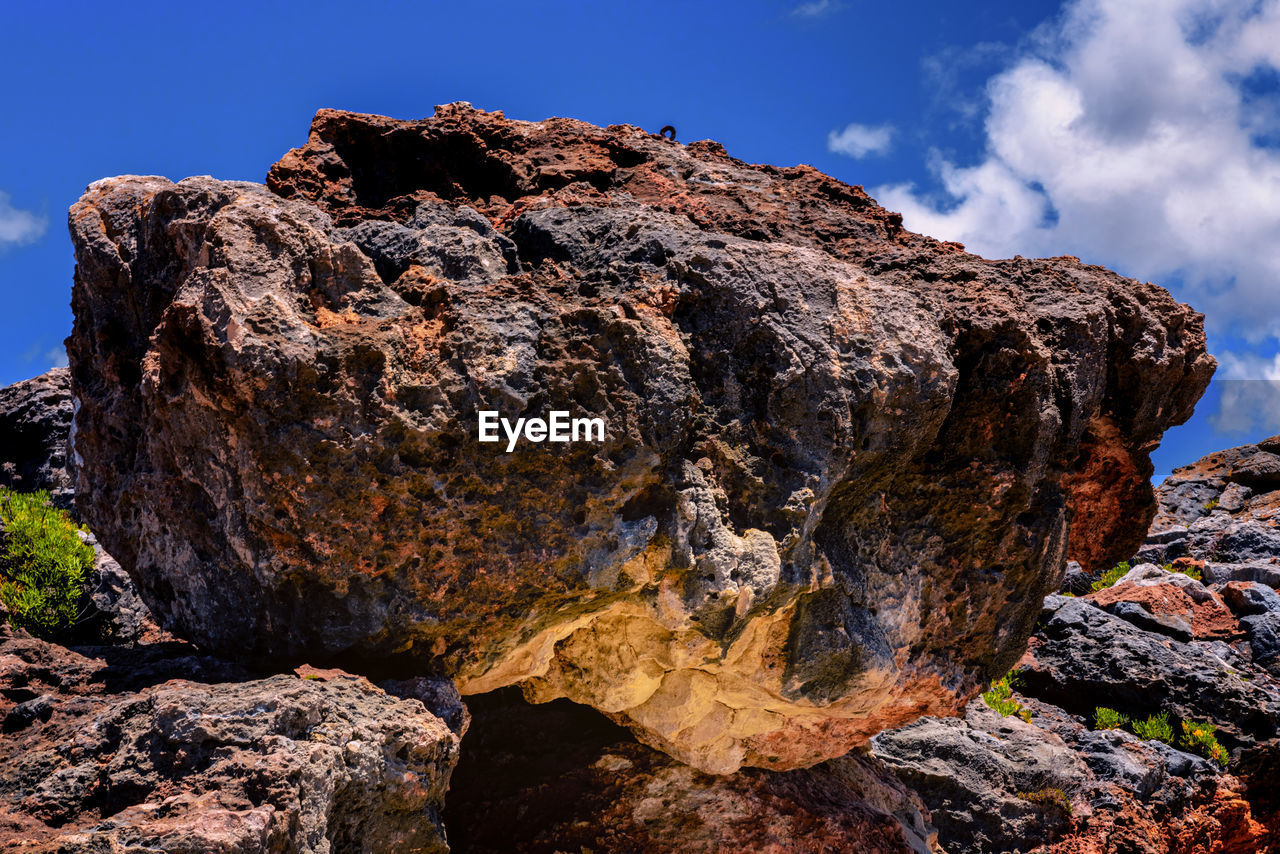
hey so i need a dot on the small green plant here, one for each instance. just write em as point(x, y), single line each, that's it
point(1211, 504)
point(1199, 737)
point(1104, 718)
point(1192, 572)
point(1000, 697)
point(43, 564)
point(1048, 798)
point(1111, 576)
point(1154, 728)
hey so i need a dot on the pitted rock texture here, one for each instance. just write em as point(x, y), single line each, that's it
point(156, 748)
point(840, 457)
point(1054, 785)
point(35, 419)
point(558, 777)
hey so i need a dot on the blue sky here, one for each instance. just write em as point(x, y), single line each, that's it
point(1142, 134)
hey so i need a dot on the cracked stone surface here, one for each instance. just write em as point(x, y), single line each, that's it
point(840, 458)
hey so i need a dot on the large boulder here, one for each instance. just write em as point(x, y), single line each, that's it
point(838, 463)
point(35, 419)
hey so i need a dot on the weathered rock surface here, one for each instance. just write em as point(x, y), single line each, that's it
point(156, 748)
point(35, 419)
point(839, 463)
point(559, 777)
point(1200, 649)
point(1052, 784)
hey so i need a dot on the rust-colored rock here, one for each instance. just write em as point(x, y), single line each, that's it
point(1207, 619)
point(839, 456)
point(158, 748)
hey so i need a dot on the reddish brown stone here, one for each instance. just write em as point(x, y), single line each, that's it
point(839, 457)
point(1208, 620)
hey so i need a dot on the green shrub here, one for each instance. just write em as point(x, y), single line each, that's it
point(43, 564)
point(1055, 798)
point(1104, 718)
point(1192, 572)
point(1199, 737)
point(1111, 576)
point(1001, 698)
point(1154, 728)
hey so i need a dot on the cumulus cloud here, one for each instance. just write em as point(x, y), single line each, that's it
point(860, 140)
point(1140, 134)
point(18, 226)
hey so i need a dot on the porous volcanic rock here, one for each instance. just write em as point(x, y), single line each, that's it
point(840, 457)
point(560, 777)
point(157, 748)
point(1051, 784)
point(35, 418)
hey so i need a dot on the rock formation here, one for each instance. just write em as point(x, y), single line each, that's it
point(35, 417)
point(157, 748)
point(839, 462)
point(1195, 638)
point(560, 777)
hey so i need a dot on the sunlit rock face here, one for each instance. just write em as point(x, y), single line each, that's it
point(840, 458)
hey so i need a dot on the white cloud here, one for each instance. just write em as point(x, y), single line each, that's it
point(860, 140)
point(815, 9)
point(1250, 394)
point(57, 357)
point(18, 226)
point(1124, 136)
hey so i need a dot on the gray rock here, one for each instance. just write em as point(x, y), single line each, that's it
point(122, 614)
point(27, 713)
point(1261, 573)
point(1167, 535)
point(1263, 631)
point(1260, 471)
point(1076, 580)
point(1234, 497)
point(1245, 541)
point(1139, 616)
point(1182, 502)
point(1086, 657)
point(35, 420)
point(439, 695)
point(1150, 575)
point(1245, 598)
point(971, 770)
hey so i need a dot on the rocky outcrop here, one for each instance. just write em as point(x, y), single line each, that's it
point(838, 457)
point(560, 777)
point(35, 419)
point(1053, 784)
point(157, 748)
point(1197, 639)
